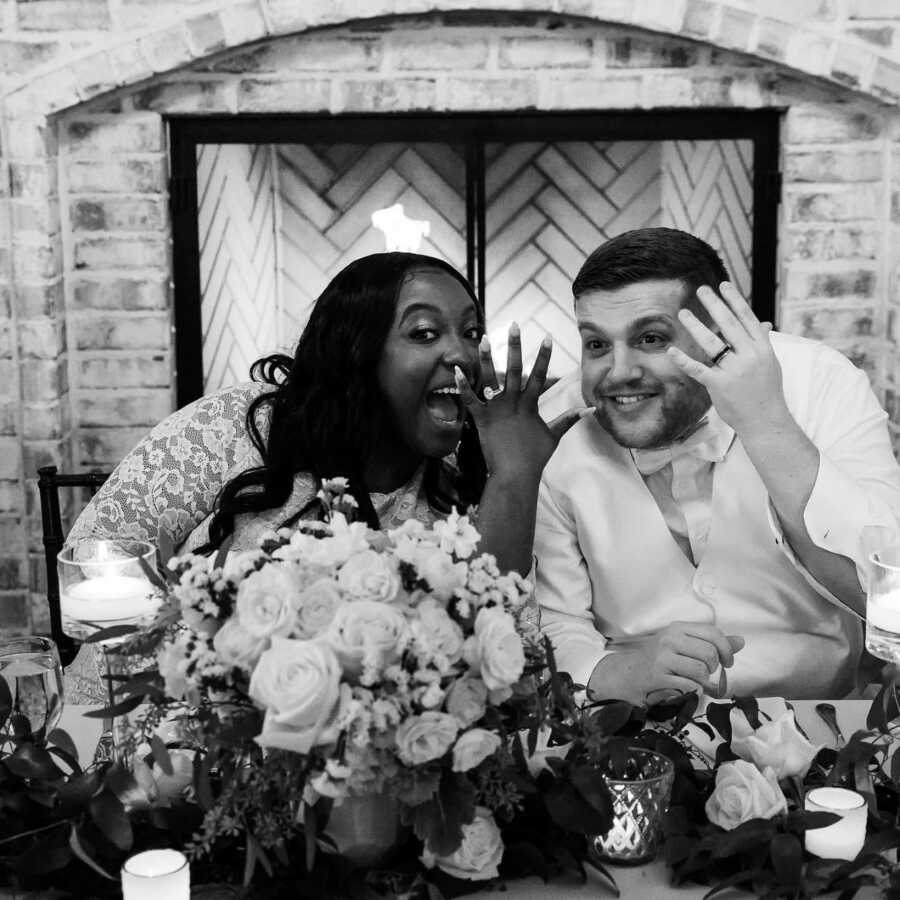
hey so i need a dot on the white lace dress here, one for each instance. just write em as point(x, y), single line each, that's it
point(163, 492)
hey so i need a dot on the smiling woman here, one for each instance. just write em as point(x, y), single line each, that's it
point(379, 390)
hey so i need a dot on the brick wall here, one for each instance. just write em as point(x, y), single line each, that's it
point(85, 301)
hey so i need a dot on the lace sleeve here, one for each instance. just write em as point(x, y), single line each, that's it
point(167, 485)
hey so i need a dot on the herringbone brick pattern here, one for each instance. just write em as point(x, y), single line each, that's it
point(549, 206)
point(708, 191)
point(328, 194)
point(265, 261)
point(236, 223)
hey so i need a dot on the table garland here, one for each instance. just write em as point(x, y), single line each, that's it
point(336, 663)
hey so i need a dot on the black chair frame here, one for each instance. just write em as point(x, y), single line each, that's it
point(49, 483)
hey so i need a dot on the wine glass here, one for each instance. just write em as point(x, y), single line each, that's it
point(32, 671)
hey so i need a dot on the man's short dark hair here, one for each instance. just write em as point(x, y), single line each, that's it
point(651, 254)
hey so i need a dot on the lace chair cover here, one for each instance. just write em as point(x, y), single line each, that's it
point(163, 492)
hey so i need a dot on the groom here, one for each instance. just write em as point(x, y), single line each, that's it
point(701, 530)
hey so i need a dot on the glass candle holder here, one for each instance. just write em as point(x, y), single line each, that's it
point(639, 805)
point(845, 838)
point(156, 874)
point(883, 604)
point(31, 668)
point(104, 583)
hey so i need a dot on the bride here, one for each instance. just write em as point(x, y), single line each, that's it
point(384, 388)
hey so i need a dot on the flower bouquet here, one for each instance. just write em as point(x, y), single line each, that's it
point(335, 665)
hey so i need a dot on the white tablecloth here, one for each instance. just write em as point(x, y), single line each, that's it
point(647, 881)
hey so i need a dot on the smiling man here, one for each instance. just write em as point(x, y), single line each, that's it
point(702, 530)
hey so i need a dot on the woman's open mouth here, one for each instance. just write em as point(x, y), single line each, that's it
point(445, 406)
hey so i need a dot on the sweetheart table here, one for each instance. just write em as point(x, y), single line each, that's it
point(645, 881)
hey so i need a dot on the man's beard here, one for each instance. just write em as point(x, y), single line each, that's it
point(677, 419)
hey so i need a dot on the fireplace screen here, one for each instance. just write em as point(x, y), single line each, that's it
point(275, 220)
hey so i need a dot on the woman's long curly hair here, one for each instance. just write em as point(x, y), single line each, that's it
point(326, 406)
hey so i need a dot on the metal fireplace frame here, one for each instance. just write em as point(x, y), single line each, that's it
point(474, 130)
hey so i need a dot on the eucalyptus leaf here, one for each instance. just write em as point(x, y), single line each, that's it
point(161, 754)
point(109, 816)
point(30, 761)
point(122, 708)
point(77, 846)
point(606, 875)
point(61, 739)
point(786, 854)
point(591, 784)
point(113, 632)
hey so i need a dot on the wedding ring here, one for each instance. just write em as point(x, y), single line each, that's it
point(490, 393)
point(721, 355)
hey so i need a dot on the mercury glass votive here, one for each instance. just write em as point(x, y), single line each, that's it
point(156, 874)
point(639, 804)
point(845, 838)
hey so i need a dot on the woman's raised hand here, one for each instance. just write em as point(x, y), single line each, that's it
point(514, 438)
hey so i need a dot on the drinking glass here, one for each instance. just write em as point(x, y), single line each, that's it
point(33, 673)
point(104, 583)
point(883, 604)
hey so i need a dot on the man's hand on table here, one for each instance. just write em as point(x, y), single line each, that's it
point(678, 659)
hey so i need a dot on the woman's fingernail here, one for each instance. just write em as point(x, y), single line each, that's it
point(514, 329)
point(547, 341)
point(485, 344)
point(458, 374)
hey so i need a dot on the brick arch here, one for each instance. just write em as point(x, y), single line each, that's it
point(844, 61)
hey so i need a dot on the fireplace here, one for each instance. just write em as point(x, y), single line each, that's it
point(116, 132)
point(262, 221)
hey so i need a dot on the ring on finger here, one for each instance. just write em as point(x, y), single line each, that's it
point(721, 355)
point(490, 393)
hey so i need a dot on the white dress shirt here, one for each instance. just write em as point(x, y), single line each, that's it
point(619, 558)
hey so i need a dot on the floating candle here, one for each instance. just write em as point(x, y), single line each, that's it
point(156, 874)
point(845, 838)
point(109, 598)
point(883, 611)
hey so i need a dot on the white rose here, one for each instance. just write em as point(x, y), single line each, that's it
point(478, 856)
point(467, 700)
point(498, 648)
point(437, 568)
point(366, 628)
point(742, 793)
point(369, 576)
point(437, 631)
point(236, 647)
point(298, 685)
point(316, 607)
point(265, 600)
point(473, 747)
point(777, 744)
point(425, 737)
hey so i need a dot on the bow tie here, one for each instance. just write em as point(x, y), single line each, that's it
point(709, 441)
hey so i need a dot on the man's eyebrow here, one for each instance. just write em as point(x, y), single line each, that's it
point(655, 319)
point(636, 325)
